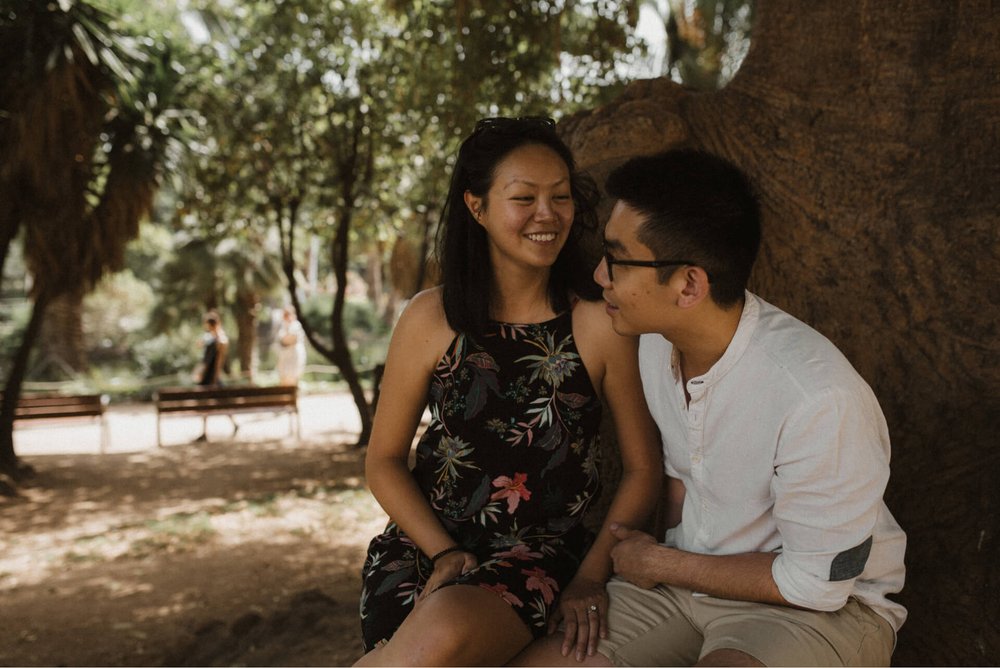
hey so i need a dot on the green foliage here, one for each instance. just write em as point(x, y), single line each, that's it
point(312, 117)
point(14, 314)
point(707, 39)
point(116, 314)
point(368, 331)
point(175, 352)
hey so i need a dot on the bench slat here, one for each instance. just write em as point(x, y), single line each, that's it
point(36, 412)
point(61, 406)
point(239, 399)
point(217, 405)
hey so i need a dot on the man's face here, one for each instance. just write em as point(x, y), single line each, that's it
point(636, 300)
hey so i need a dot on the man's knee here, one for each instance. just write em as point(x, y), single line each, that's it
point(728, 657)
point(547, 651)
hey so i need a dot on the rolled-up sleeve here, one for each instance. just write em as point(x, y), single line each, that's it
point(831, 469)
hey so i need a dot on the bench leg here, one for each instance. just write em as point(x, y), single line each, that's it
point(159, 441)
point(104, 434)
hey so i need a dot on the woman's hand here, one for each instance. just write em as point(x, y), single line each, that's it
point(583, 608)
point(448, 567)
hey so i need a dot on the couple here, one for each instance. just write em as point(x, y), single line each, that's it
point(779, 549)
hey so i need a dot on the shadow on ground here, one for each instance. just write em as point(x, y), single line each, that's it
point(204, 554)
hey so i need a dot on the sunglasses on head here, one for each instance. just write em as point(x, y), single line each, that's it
point(505, 124)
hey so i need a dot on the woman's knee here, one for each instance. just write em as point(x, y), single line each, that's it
point(460, 624)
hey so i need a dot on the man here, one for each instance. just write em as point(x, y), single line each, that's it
point(781, 549)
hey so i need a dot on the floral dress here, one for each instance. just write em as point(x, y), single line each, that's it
point(509, 465)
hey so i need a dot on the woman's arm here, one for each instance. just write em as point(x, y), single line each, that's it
point(613, 363)
point(638, 442)
point(418, 342)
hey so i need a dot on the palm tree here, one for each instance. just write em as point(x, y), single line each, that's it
point(207, 273)
point(81, 149)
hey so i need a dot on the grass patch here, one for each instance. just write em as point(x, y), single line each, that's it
point(177, 533)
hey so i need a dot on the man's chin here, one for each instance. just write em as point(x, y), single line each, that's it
point(620, 328)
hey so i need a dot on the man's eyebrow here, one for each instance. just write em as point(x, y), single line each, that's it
point(613, 244)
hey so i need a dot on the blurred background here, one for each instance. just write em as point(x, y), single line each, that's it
point(162, 159)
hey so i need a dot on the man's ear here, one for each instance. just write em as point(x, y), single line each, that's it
point(695, 288)
point(475, 205)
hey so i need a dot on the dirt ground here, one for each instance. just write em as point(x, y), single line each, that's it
point(239, 551)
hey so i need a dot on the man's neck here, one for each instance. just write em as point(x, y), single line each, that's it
point(706, 340)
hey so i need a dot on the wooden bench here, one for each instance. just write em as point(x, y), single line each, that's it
point(206, 401)
point(62, 407)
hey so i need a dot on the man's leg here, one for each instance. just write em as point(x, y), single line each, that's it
point(741, 633)
point(728, 657)
point(646, 627)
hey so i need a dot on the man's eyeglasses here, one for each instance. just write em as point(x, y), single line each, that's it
point(504, 124)
point(611, 262)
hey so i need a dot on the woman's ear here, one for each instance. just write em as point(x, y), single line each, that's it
point(475, 206)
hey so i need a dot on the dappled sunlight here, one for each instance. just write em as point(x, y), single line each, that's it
point(158, 544)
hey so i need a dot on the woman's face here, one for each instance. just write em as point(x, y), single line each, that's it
point(529, 209)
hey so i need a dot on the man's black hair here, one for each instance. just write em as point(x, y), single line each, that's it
point(696, 206)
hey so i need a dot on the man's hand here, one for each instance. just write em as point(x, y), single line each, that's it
point(634, 556)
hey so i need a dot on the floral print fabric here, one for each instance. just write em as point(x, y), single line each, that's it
point(509, 465)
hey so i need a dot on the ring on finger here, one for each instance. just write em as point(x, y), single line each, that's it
point(592, 610)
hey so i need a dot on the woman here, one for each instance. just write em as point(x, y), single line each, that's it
point(291, 344)
point(485, 549)
point(215, 346)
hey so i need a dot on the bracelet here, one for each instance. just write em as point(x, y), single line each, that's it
point(447, 550)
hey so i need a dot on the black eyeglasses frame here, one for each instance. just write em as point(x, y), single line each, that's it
point(611, 261)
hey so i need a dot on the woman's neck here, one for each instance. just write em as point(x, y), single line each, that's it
point(521, 298)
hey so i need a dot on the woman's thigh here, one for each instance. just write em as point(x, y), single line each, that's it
point(456, 625)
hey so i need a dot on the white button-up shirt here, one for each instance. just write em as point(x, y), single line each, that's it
point(782, 448)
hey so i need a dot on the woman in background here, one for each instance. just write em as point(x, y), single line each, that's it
point(291, 344)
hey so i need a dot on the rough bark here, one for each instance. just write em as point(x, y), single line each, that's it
point(246, 311)
point(10, 465)
point(61, 338)
point(871, 130)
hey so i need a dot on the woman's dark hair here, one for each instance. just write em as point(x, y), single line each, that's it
point(462, 243)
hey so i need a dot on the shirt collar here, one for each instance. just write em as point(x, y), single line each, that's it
point(734, 351)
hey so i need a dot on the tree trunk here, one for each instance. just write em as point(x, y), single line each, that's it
point(341, 351)
point(10, 465)
point(871, 132)
point(61, 337)
point(246, 310)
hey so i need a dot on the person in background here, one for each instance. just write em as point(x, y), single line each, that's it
point(291, 345)
point(781, 550)
point(215, 347)
point(485, 548)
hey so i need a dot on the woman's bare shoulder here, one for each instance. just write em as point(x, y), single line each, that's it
point(423, 321)
point(425, 308)
point(592, 324)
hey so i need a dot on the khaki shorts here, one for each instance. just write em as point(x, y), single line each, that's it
point(669, 626)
